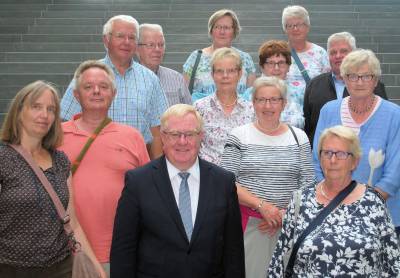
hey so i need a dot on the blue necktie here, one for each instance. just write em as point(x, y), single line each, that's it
point(185, 207)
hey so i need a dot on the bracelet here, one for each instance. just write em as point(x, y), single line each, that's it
point(259, 206)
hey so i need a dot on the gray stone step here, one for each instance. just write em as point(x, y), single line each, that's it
point(23, 79)
point(22, 7)
point(393, 92)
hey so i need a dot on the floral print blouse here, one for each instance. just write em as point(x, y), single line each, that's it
point(218, 125)
point(315, 61)
point(355, 240)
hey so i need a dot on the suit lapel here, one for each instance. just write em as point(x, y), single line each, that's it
point(205, 195)
point(164, 187)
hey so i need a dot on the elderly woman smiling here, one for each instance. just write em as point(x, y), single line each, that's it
point(313, 58)
point(377, 123)
point(223, 28)
point(223, 110)
point(355, 239)
point(270, 160)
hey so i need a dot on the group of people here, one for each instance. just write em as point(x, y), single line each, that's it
point(209, 173)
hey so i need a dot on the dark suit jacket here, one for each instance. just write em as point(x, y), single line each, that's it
point(149, 239)
point(319, 91)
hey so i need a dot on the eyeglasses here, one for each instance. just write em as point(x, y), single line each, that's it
point(122, 36)
point(297, 26)
point(327, 154)
point(225, 71)
point(272, 101)
point(152, 45)
point(352, 77)
point(176, 135)
point(272, 65)
point(222, 27)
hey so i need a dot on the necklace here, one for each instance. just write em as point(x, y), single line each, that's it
point(266, 129)
point(323, 192)
point(227, 105)
point(367, 109)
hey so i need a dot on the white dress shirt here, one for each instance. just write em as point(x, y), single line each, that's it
point(193, 182)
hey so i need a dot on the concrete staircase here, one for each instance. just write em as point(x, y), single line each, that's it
point(47, 39)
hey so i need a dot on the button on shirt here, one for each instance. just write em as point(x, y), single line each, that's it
point(193, 182)
point(140, 101)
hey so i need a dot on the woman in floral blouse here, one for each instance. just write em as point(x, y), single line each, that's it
point(357, 239)
point(296, 25)
point(223, 110)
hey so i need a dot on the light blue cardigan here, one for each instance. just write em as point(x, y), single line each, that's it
point(380, 132)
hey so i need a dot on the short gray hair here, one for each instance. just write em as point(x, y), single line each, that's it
point(150, 27)
point(343, 133)
point(107, 28)
point(359, 57)
point(93, 64)
point(342, 36)
point(295, 11)
point(270, 81)
point(221, 13)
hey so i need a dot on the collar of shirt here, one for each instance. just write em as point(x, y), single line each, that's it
point(214, 102)
point(339, 86)
point(71, 127)
point(107, 61)
point(173, 172)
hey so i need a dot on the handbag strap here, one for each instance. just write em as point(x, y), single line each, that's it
point(196, 64)
point(294, 135)
point(89, 142)
point(300, 65)
point(317, 222)
point(65, 219)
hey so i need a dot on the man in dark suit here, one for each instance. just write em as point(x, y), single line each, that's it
point(178, 216)
point(330, 85)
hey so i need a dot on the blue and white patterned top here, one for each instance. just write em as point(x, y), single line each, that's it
point(355, 240)
point(139, 102)
point(315, 61)
point(204, 84)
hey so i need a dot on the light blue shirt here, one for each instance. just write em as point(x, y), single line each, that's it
point(139, 102)
point(339, 86)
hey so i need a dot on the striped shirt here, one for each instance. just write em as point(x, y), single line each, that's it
point(139, 102)
point(270, 167)
point(174, 86)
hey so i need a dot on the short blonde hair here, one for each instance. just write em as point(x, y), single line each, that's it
point(220, 14)
point(180, 110)
point(269, 81)
point(358, 58)
point(93, 64)
point(11, 129)
point(295, 11)
point(226, 52)
point(344, 133)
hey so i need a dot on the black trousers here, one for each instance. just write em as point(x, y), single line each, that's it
point(62, 269)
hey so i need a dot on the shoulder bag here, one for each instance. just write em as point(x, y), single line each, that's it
point(83, 266)
point(314, 224)
point(193, 75)
point(300, 65)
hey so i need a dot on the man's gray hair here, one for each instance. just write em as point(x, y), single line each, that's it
point(107, 28)
point(342, 36)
